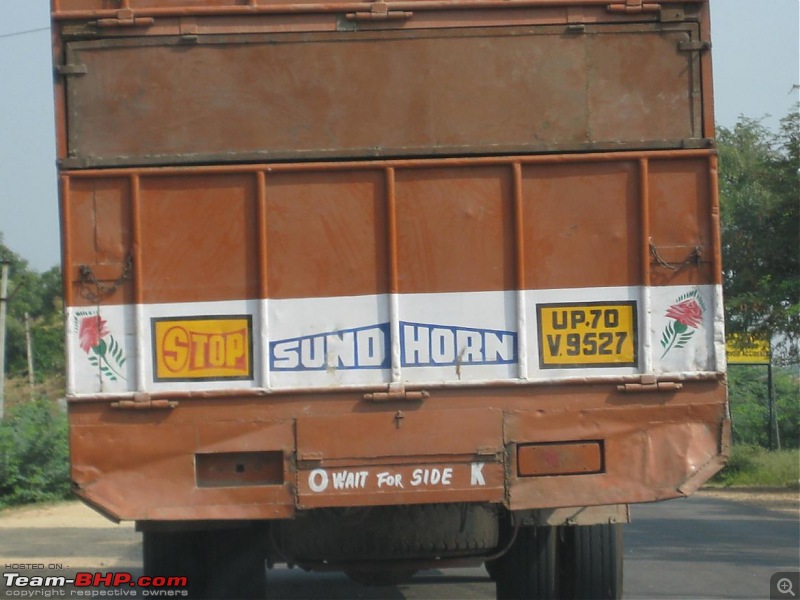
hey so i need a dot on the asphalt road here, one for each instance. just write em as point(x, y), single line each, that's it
point(697, 548)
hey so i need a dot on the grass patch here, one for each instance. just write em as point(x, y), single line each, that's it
point(752, 466)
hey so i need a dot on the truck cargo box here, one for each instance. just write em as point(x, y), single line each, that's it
point(447, 262)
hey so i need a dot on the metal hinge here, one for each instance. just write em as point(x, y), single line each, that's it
point(144, 402)
point(633, 7)
point(70, 70)
point(648, 384)
point(189, 31)
point(694, 45)
point(309, 460)
point(379, 11)
point(396, 392)
point(126, 18)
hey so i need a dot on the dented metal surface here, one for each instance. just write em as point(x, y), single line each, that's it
point(478, 301)
point(654, 448)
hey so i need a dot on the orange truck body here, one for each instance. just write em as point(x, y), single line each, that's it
point(388, 254)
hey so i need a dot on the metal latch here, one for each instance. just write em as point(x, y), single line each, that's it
point(126, 18)
point(309, 460)
point(648, 384)
point(396, 392)
point(144, 402)
point(379, 11)
point(694, 45)
point(633, 7)
point(73, 69)
point(189, 31)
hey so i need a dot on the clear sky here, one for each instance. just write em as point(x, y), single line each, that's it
point(756, 64)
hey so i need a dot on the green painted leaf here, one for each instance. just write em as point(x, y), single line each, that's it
point(669, 331)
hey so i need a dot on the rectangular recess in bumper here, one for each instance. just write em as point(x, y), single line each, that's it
point(562, 458)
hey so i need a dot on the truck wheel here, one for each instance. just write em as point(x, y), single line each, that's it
point(529, 569)
point(592, 556)
point(175, 554)
point(235, 565)
point(217, 564)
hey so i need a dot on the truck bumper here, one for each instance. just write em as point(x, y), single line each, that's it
point(532, 448)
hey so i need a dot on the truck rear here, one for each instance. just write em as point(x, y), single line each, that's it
point(386, 286)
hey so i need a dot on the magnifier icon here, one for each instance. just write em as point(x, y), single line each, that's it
point(785, 587)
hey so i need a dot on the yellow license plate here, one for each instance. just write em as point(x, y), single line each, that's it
point(587, 335)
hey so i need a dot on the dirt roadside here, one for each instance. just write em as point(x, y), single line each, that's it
point(68, 534)
point(778, 499)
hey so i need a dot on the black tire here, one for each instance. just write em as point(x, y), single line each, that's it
point(529, 570)
point(592, 558)
point(224, 564)
point(176, 554)
point(235, 566)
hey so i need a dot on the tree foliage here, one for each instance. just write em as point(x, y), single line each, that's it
point(34, 454)
point(749, 398)
point(760, 204)
point(40, 296)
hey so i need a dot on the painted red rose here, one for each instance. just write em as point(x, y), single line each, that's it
point(687, 313)
point(91, 332)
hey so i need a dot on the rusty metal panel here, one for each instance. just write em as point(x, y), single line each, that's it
point(114, 465)
point(651, 453)
point(681, 231)
point(395, 434)
point(657, 446)
point(585, 216)
point(326, 233)
point(381, 93)
point(198, 231)
point(477, 252)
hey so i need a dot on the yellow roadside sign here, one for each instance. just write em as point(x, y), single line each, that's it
point(748, 350)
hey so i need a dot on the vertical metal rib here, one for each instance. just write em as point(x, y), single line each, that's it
point(519, 245)
point(644, 199)
point(394, 286)
point(138, 284)
point(716, 257)
point(67, 271)
point(716, 242)
point(263, 282)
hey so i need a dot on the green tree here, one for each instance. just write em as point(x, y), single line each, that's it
point(34, 454)
point(748, 393)
point(40, 296)
point(760, 202)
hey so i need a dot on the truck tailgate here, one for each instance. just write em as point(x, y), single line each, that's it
point(416, 272)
